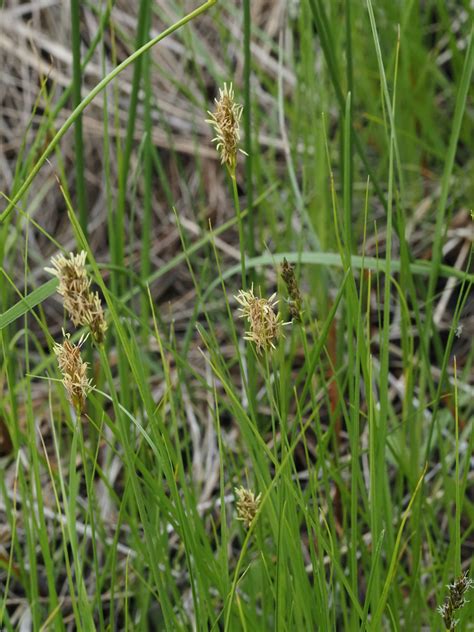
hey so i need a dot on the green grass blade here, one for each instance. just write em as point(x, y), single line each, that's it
point(29, 302)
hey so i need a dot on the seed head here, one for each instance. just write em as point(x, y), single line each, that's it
point(265, 324)
point(289, 277)
point(226, 123)
point(455, 600)
point(74, 371)
point(247, 505)
point(83, 305)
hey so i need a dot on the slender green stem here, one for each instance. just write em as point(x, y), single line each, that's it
point(118, 253)
point(457, 481)
point(249, 165)
point(145, 267)
point(79, 161)
point(241, 229)
point(248, 132)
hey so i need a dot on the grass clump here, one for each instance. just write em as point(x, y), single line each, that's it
point(122, 491)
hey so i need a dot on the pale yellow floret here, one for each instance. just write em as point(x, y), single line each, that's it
point(247, 505)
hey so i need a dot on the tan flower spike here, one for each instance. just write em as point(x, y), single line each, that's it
point(265, 324)
point(74, 371)
point(83, 305)
point(247, 505)
point(226, 123)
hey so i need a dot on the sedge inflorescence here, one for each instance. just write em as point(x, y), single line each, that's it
point(82, 304)
point(226, 123)
point(265, 324)
point(295, 302)
point(455, 601)
point(247, 505)
point(74, 371)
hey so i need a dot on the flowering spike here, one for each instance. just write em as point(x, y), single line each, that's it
point(265, 324)
point(289, 277)
point(455, 601)
point(247, 505)
point(226, 123)
point(83, 305)
point(74, 371)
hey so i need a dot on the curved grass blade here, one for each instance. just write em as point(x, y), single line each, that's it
point(27, 303)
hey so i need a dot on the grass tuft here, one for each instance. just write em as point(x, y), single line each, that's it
point(270, 425)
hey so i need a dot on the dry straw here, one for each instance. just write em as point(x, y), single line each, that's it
point(83, 305)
